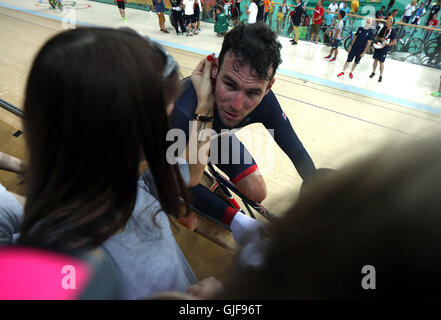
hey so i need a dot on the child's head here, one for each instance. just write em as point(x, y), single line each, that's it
point(341, 14)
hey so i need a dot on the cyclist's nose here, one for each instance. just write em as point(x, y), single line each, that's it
point(237, 101)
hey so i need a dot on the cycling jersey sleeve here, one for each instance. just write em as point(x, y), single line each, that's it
point(271, 115)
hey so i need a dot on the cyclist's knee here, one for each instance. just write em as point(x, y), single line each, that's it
point(253, 187)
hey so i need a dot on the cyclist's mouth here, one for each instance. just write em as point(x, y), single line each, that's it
point(231, 116)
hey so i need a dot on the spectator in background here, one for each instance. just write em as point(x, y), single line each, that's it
point(341, 5)
point(189, 16)
point(159, 7)
point(393, 15)
point(380, 14)
point(337, 35)
point(427, 3)
point(252, 11)
point(177, 16)
point(220, 22)
point(359, 45)
point(122, 8)
point(388, 38)
point(433, 12)
point(260, 9)
point(389, 6)
point(279, 20)
point(333, 7)
point(270, 13)
point(420, 12)
point(355, 4)
point(346, 9)
point(432, 23)
point(235, 12)
point(268, 4)
point(296, 16)
point(285, 13)
point(408, 11)
point(227, 6)
point(327, 19)
point(317, 20)
point(197, 15)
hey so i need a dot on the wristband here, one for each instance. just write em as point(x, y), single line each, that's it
point(201, 118)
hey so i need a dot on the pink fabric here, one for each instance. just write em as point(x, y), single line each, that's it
point(30, 274)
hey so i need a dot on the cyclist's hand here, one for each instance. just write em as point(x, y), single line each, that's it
point(202, 82)
point(361, 55)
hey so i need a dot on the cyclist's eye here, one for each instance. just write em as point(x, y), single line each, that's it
point(229, 85)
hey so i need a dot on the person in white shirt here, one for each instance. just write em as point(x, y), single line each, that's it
point(408, 11)
point(189, 15)
point(341, 6)
point(252, 12)
point(333, 7)
point(420, 12)
point(197, 14)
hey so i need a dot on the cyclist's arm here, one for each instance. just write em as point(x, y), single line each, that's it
point(271, 115)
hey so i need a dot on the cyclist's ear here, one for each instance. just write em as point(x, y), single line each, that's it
point(270, 84)
point(214, 68)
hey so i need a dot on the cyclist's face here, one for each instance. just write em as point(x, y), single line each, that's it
point(238, 90)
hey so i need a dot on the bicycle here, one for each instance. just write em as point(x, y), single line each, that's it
point(347, 38)
point(221, 186)
point(410, 44)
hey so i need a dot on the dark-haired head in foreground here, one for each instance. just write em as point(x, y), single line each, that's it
point(384, 211)
point(96, 105)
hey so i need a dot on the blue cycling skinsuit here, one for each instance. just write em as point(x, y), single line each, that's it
point(271, 115)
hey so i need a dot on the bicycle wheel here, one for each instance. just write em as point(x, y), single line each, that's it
point(347, 43)
point(431, 46)
point(416, 46)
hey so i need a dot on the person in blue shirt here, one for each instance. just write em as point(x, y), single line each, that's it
point(359, 45)
point(242, 96)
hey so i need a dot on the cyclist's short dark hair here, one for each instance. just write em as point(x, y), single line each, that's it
point(342, 13)
point(257, 45)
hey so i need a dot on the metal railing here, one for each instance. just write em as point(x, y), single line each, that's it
point(11, 108)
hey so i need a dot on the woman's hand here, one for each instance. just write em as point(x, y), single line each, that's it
point(201, 78)
point(205, 289)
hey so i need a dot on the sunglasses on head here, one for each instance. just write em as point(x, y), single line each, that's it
point(170, 63)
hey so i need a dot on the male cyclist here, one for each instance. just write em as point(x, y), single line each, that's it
point(242, 81)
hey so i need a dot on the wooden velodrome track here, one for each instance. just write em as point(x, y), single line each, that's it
point(335, 127)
